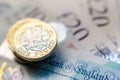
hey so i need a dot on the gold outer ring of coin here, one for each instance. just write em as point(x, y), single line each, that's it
point(32, 39)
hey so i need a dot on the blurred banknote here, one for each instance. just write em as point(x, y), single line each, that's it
point(56, 68)
point(93, 25)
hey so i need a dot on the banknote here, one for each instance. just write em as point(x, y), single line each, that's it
point(6, 52)
point(89, 23)
point(10, 70)
point(56, 67)
point(93, 25)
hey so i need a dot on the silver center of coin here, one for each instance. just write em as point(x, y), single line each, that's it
point(35, 39)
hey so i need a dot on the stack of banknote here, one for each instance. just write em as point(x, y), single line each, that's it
point(88, 44)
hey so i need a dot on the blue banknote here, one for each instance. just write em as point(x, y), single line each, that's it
point(56, 67)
